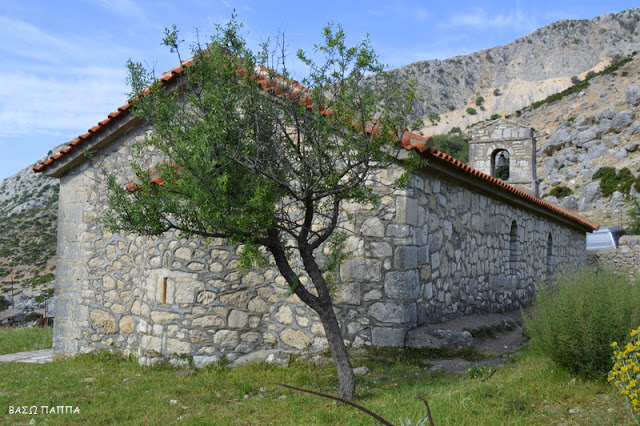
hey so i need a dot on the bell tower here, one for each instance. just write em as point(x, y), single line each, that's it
point(505, 150)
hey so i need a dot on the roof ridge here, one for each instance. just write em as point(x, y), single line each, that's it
point(408, 140)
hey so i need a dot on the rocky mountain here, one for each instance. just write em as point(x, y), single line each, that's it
point(595, 124)
point(28, 224)
point(595, 127)
point(464, 89)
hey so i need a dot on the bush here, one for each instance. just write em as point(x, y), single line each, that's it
point(625, 373)
point(479, 100)
point(634, 217)
point(575, 79)
point(578, 315)
point(453, 144)
point(471, 111)
point(495, 116)
point(612, 180)
point(560, 192)
point(496, 92)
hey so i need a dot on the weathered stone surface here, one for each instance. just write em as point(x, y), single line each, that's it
point(238, 319)
point(361, 371)
point(252, 279)
point(589, 195)
point(622, 120)
point(295, 338)
point(183, 253)
point(279, 358)
point(208, 321)
point(104, 319)
point(163, 316)
point(384, 336)
point(258, 305)
point(284, 315)
point(206, 297)
point(632, 95)
point(387, 312)
point(239, 298)
point(373, 227)
point(226, 338)
point(453, 338)
point(175, 346)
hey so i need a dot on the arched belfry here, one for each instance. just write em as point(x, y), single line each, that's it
point(505, 150)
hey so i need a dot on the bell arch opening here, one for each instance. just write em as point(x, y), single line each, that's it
point(500, 164)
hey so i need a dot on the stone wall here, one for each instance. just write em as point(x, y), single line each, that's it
point(489, 139)
point(624, 260)
point(424, 254)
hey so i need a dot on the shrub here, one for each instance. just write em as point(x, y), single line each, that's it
point(455, 129)
point(625, 373)
point(479, 100)
point(453, 144)
point(433, 117)
point(560, 192)
point(496, 92)
point(575, 79)
point(577, 316)
point(634, 217)
point(471, 111)
point(612, 180)
point(495, 116)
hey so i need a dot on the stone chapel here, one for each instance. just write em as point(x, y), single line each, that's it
point(456, 241)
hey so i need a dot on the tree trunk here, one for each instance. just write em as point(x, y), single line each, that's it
point(323, 306)
point(339, 354)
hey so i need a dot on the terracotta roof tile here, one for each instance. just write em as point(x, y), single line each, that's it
point(409, 140)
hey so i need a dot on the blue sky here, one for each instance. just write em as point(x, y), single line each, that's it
point(63, 62)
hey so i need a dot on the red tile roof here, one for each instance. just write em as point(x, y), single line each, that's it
point(409, 140)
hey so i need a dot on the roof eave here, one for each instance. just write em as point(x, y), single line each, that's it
point(107, 135)
point(504, 191)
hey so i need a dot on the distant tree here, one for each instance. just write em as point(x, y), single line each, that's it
point(575, 79)
point(479, 100)
point(471, 111)
point(453, 144)
point(496, 92)
point(267, 169)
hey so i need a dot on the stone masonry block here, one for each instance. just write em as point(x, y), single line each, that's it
point(384, 336)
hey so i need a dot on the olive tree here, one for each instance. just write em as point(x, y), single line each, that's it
point(250, 155)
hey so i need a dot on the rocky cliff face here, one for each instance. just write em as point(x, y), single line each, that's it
point(28, 223)
point(577, 135)
point(517, 74)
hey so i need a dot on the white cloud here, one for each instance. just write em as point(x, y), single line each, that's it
point(478, 18)
point(126, 8)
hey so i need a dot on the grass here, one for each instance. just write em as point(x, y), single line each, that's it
point(109, 389)
point(14, 340)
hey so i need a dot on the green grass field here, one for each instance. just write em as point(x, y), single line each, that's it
point(109, 389)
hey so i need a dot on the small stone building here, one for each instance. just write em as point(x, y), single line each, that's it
point(504, 143)
point(455, 242)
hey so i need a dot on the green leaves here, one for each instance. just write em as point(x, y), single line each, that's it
point(238, 150)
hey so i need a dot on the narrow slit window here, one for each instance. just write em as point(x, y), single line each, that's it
point(549, 255)
point(514, 246)
point(164, 290)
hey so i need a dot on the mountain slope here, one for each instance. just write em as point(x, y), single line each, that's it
point(524, 71)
